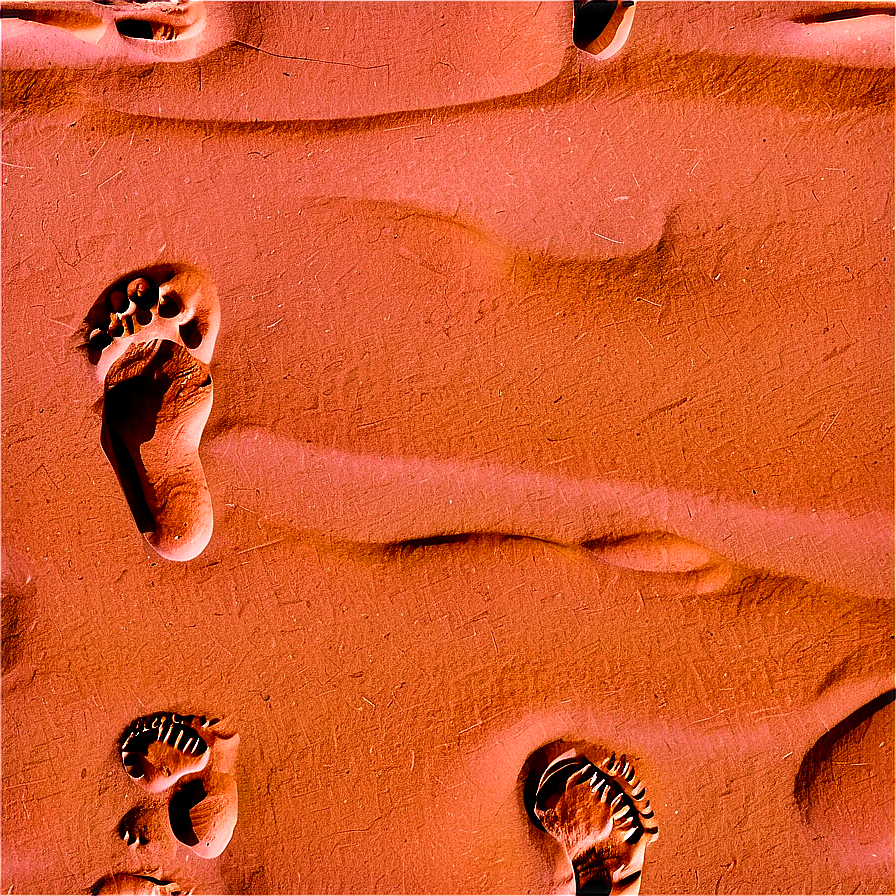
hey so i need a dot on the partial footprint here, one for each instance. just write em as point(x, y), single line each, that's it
point(17, 592)
point(203, 813)
point(601, 28)
point(136, 885)
point(601, 817)
point(168, 749)
point(158, 750)
point(845, 786)
point(141, 826)
point(150, 336)
point(203, 810)
point(158, 399)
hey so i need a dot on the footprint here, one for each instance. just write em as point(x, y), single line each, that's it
point(17, 593)
point(150, 337)
point(140, 826)
point(158, 750)
point(844, 787)
point(168, 749)
point(203, 813)
point(601, 817)
point(136, 885)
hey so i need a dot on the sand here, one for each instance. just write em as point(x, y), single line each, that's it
point(408, 396)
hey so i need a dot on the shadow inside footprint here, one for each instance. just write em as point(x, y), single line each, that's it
point(182, 803)
point(157, 400)
point(598, 813)
point(203, 813)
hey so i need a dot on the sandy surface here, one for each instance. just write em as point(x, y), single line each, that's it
point(488, 393)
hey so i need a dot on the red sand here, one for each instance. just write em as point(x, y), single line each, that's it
point(552, 401)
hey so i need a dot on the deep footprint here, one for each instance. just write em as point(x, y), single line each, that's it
point(188, 753)
point(158, 750)
point(157, 401)
point(601, 817)
point(152, 425)
point(203, 813)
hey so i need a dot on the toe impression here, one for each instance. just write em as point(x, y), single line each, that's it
point(599, 814)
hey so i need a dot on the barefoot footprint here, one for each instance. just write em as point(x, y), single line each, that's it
point(158, 750)
point(601, 817)
point(168, 749)
point(202, 813)
point(150, 337)
point(136, 885)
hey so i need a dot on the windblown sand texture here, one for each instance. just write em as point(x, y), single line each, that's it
point(419, 406)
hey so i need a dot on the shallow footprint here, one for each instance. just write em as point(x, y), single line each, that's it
point(150, 337)
point(845, 786)
point(141, 827)
point(601, 817)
